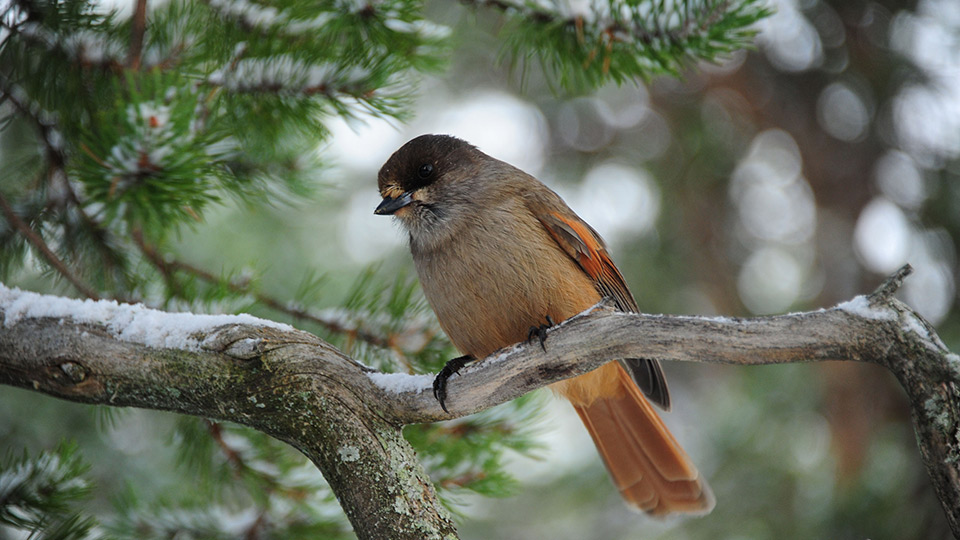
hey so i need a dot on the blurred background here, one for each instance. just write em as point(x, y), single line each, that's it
point(791, 177)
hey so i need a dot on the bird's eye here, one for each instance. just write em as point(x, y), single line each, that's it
point(425, 171)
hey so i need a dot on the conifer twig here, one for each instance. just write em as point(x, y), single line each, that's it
point(34, 239)
point(168, 267)
point(627, 40)
point(54, 43)
point(138, 27)
point(215, 431)
point(99, 233)
point(50, 136)
point(285, 88)
point(240, 465)
point(56, 159)
point(613, 28)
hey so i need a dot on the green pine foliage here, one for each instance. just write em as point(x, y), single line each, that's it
point(242, 484)
point(468, 454)
point(41, 494)
point(115, 138)
point(624, 40)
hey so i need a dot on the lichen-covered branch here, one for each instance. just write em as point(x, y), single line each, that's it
point(877, 329)
point(346, 417)
point(281, 381)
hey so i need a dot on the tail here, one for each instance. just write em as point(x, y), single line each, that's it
point(648, 466)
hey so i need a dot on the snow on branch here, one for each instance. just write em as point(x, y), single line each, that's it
point(132, 323)
point(253, 15)
point(89, 46)
point(631, 38)
point(284, 74)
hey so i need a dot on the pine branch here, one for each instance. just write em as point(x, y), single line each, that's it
point(55, 156)
point(288, 76)
point(258, 19)
point(50, 136)
point(705, 16)
point(169, 266)
point(620, 40)
point(242, 466)
point(75, 47)
point(41, 246)
point(101, 236)
point(37, 494)
point(233, 457)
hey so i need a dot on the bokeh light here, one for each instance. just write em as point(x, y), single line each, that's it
point(581, 124)
point(770, 280)
point(882, 236)
point(790, 42)
point(778, 217)
point(900, 180)
point(361, 145)
point(616, 200)
point(842, 113)
point(500, 124)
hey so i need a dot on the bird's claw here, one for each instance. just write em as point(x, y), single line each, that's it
point(540, 332)
point(440, 382)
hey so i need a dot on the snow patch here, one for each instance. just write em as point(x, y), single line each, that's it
point(257, 15)
point(953, 360)
point(422, 28)
point(133, 323)
point(285, 72)
point(860, 306)
point(398, 383)
point(912, 324)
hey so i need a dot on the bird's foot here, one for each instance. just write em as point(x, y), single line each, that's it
point(540, 332)
point(440, 382)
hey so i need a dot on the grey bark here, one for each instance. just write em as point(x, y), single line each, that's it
point(299, 389)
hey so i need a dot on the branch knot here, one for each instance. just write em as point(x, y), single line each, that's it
point(236, 341)
point(74, 371)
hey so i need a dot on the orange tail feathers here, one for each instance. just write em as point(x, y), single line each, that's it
point(648, 466)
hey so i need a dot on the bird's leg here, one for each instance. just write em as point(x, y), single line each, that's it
point(440, 383)
point(540, 332)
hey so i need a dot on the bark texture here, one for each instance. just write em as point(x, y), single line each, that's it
point(347, 419)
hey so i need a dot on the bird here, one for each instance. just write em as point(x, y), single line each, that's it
point(501, 258)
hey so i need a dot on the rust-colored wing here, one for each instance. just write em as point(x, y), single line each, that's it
point(584, 245)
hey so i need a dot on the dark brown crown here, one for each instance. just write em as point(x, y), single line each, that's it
point(421, 161)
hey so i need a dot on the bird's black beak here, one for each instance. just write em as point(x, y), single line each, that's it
point(390, 205)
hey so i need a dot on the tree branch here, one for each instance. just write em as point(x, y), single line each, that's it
point(281, 381)
point(346, 418)
point(696, 27)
